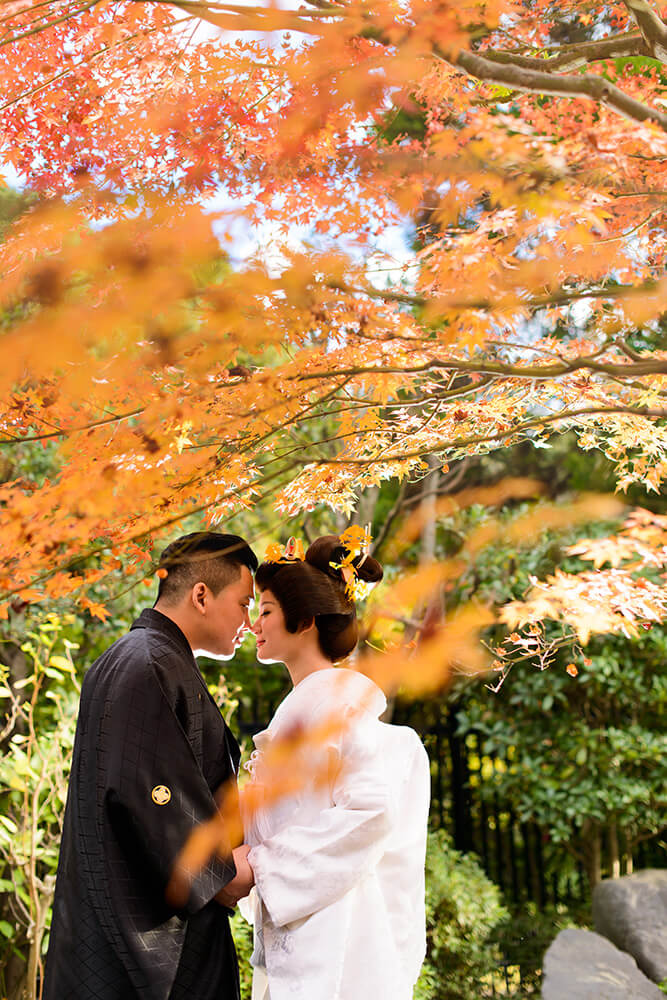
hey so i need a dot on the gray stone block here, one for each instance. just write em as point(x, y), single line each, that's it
point(632, 912)
point(581, 965)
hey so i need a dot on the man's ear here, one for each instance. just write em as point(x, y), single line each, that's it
point(198, 596)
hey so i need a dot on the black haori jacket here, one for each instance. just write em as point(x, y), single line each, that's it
point(151, 749)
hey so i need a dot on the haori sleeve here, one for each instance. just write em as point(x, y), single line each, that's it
point(155, 792)
point(304, 868)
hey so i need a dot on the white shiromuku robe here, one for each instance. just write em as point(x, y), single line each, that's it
point(338, 906)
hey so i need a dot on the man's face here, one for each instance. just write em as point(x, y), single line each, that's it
point(227, 617)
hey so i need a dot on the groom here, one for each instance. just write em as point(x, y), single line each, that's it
point(151, 750)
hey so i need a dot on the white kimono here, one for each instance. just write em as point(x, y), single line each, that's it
point(338, 906)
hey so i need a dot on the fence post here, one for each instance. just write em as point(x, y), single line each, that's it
point(463, 833)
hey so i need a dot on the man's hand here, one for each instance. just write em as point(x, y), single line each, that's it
point(242, 882)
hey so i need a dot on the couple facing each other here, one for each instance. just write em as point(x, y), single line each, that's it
point(332, 869)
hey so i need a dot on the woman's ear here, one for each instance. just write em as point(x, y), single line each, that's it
point(307, 626)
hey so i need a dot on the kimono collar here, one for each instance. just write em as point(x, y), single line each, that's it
point(344, 687)
point(152, 619)
point(336, 689)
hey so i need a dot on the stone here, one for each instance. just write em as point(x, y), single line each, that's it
point(582, 965)
point(632, 912)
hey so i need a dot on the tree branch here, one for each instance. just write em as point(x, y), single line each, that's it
point(265, 13)
point(27, 7)
point(652, 27)
point(48, 24)
point(252, 18)
point(560, 298)
point(574, 56)
point(497, 436)
point(595, 88)
point(65, 431)
point(647, 366)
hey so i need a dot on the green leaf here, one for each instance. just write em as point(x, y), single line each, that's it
point(6, 929)
point(19, 685)
point(501, 93)
point(61, 663)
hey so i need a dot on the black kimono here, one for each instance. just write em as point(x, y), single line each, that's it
point(151, 748)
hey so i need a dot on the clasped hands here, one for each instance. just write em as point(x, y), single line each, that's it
point(242, 882)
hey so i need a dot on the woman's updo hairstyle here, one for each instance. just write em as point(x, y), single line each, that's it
point(314, 590)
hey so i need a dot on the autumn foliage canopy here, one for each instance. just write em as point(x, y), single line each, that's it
point(520, 145)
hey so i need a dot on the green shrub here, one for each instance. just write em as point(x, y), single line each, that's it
point(242, 934)
point(463, 907)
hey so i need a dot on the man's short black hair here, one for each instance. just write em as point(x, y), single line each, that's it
point(210, 557)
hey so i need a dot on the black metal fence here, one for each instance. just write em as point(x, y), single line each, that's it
point(516, 855)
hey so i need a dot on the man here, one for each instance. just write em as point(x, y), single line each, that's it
point(151, 750)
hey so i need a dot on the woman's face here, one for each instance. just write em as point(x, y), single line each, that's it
point(274, 643)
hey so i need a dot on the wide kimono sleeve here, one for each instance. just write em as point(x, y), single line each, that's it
point(154, 791)
point(305, 867)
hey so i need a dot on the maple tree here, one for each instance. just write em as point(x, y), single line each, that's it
point(524, 143)
point(148, 378)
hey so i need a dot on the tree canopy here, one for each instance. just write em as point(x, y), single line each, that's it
point(522, 146)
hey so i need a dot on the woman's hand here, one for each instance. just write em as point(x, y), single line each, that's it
point(242, 882)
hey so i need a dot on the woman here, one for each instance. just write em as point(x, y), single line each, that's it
point(337, 805)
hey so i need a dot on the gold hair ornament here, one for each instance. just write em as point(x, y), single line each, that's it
point(291, 552)
point(357, 541)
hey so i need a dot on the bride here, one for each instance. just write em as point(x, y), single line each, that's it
point(337, 804)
